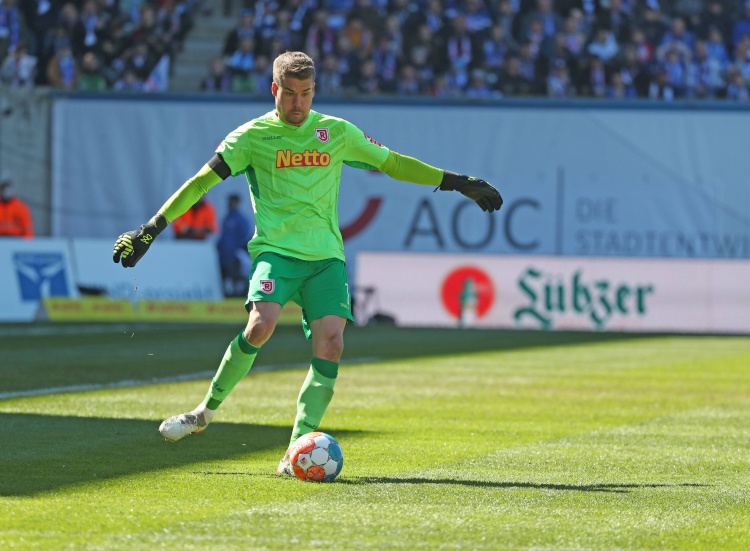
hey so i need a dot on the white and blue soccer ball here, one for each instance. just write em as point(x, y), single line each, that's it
point(316, 456)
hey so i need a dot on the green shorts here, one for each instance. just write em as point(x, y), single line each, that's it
point(320, 287)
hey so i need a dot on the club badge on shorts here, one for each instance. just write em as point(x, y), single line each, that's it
point(267, 286)
point(322, 134)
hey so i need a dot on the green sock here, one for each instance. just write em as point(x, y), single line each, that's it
point(237, 361)
point(314, 397)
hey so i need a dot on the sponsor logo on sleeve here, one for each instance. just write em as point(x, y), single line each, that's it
point(376, 142)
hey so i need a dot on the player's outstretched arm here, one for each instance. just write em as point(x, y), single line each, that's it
point(131, 246)
point(476, 189)
point(409, 169)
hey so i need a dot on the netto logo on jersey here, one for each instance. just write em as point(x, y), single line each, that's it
point(287, 159)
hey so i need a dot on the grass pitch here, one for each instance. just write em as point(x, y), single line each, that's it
point(452, 440)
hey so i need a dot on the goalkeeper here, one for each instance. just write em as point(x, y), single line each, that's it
point(292, 158)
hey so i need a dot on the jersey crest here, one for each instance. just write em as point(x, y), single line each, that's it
point(267, 286)
point(322, 134)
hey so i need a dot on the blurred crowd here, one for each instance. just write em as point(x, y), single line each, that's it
point(660, 49)
point(497, 48)
point(91, 44)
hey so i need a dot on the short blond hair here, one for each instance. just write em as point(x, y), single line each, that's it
point(297, 65)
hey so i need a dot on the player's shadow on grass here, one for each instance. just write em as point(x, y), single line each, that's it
point(45, 452)
point(609, 488)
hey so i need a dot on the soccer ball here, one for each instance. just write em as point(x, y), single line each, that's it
point(316, 456)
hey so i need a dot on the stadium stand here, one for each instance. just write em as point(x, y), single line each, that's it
point(474, 49)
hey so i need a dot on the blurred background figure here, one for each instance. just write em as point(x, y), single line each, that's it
point(15, 216)
point(218, 78)
point(19, 68)
point(234, 259)
point(199, 222)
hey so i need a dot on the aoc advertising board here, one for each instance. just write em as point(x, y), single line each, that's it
point(549, 292)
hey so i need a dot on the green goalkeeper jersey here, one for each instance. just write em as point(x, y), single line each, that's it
point(294, 173)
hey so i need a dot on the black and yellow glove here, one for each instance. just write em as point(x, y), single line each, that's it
point(485, 195)
point(131, 246)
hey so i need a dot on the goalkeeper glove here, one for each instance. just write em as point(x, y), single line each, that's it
point(131, 246)
point(485, 195)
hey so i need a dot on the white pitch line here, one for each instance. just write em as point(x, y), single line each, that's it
point(154, 381)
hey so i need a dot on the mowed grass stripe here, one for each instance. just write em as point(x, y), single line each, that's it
point(623, 444)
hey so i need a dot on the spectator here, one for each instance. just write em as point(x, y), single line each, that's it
point(129, 82)
point(604, 46)
point(385, 56)
point(369, 83)
point(506, 18)
point(511, 82)
point(359, 36)
point(141, 61)
point(321, 37)
point(245, 29)
point(15, 216)
point(444, 87)
point(460, 50)
point(62, 70)
point(737, 88)
point(283, 33)
point(574, 36)
point(677, 39)
point(659, 88)
point(478, 88)
point(369, 15)
point(742, 27)
point(174, 19)
point(742, 57)
point(234, 260)
point(433, 16)
point(597, 78)
point(302, 12)
point(652, 23)
point(545, 17)
point(349, 64)
point(40, 17)
point(615, 18)
point(477, 16)
point(328, 79)
point(19, 68)
point(705, 73)
point(241, 63)
point(198, 223)
point(89, 31)
point(408, 84)
point(219, 77)
point(715, 17)
point(423, 68)
point(10, 27)
point(644, 50)
point(634, 73)
point(675, 69)
point(91, 77)
point(618, 89)
point(716, 46)
point(558, 81)
point(262, 74)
